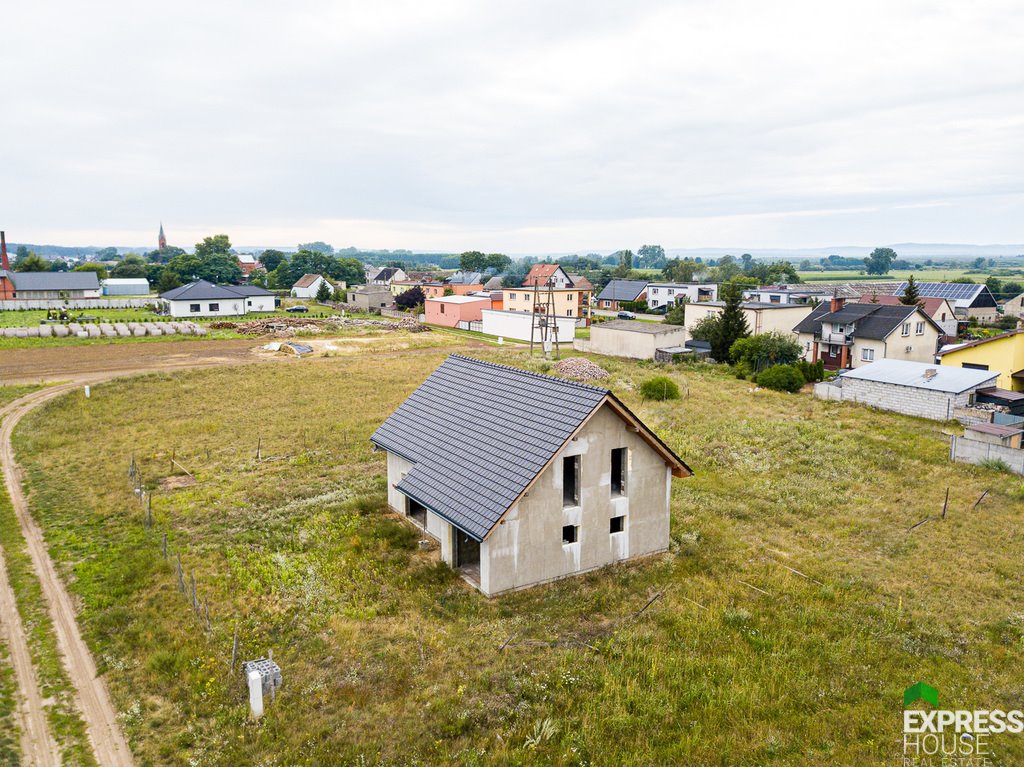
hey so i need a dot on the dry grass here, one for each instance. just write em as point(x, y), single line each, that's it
point(390, 659)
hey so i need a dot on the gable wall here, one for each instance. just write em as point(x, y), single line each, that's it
point(527, 547)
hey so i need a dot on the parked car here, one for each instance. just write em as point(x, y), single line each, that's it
point(300, 308)
point(626, 316)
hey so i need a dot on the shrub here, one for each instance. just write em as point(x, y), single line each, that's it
point(811, 371)
point(781, 378)
point(995, 464)
point(764, 350)
point(659, 388)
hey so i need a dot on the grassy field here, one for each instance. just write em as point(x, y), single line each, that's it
point(940, 274)
point(390, 659)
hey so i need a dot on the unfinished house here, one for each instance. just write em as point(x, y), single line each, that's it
point(525, 478)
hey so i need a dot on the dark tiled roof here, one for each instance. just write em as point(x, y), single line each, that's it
point(870, 320)
point(201, 290)
point(54, 280)
point(477, 434)
point(622, 290)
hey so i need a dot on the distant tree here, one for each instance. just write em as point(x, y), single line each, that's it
point(324, 292)
point(32, 262)
point(726, 269)
point(168, 280)
point(21, 252)
point(131, 266)
point(963, 281)
point(677, 314)
point(747, 261)
point(879, 261)
point(651, 257)
point(911, 295)
point(805, 265)
point(258, 277)
point(163, 255)
point(497, 262)
point(624, 258)
point(91, 266)
point(722, 330)
point(271, 258)
point(995, 285)
point(60, 265)
point(979, 263)
point(186, 266)
point(106, 254)
point(472, 261)
point(1012, 289)
point(221, 268)
point(759, 352)
point(217, 245)
point(350, 270)
point(317, 247)
point(281, 277)
point(410, 299)
point(678, 270)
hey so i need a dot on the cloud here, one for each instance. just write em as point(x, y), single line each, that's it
point(594, 125)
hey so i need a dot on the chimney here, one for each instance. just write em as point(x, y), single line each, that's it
point(836, 303)
point(930, 373)
point(4, 263)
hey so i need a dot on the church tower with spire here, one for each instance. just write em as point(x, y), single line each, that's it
point(161, 240)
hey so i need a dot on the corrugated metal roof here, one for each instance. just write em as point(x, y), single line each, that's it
point(54, 280)
point(904, 373)
point(477, 433)
point(998, 430)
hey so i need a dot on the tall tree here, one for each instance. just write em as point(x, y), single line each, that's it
point(271, 258)
point(726, 269)
point(472, 261)
point(410, 299)
point(879, 261)
point(318, 246)
point(324, 292)
point(132, 265)
point(32, 262)
point(168, 280)
point(625, 261)
point(651, 257)
point(92, 266)
point(732, 323)
point(911, 295)
point(683, 270)
point(217, 245)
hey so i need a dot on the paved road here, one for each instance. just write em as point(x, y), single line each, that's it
point(650, 317)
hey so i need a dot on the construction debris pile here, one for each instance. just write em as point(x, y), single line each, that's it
point(580, 369)
point(287, 326)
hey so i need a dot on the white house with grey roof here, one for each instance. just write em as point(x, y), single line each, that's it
point(526, 478)
point(204, 299)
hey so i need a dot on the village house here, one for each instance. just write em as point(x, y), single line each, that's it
point(617, 292)
point(367, 297)
point(848, 335)
point(449, 311)
point(668, 294)
point(308, 285)
point(387, 275)
point(760, 317)
point(204, 299)
point(525, 478)
point(912, 388)
point(571, 295)
point(939, 309)
point(247, 263)
point(967, 299)
point(1002, 354)
point(1014, 307)
point(438, 289)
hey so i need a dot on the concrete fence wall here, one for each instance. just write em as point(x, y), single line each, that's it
point(973, 451)
point(78, 303)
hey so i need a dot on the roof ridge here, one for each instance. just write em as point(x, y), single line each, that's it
point(544, 376)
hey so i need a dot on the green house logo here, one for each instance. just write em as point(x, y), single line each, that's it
point(920, 691)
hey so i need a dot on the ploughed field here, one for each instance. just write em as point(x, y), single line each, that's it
point(389, 658)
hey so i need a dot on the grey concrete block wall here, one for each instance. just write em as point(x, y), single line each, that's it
point(973, 451)
point(923, 403)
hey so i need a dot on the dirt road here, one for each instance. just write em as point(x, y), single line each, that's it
point(54, 363)
point(78, 366)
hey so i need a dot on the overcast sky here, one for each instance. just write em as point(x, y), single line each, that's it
point(520, 126)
